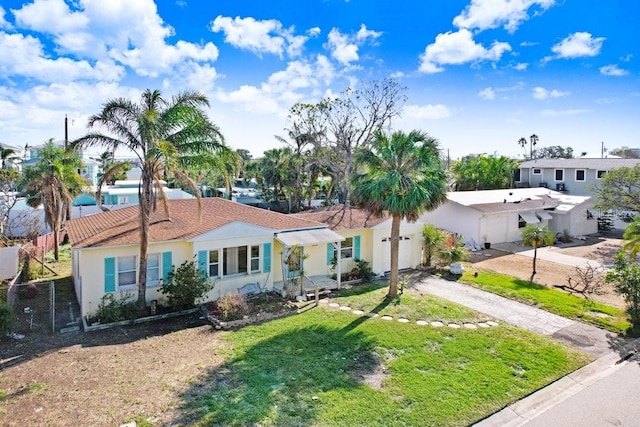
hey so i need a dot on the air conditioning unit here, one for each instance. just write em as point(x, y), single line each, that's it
point(560, 187)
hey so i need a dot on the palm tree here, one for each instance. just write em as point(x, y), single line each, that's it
point(53, 182)
point(536, 237)
point(6, 154)
point(403, 175)
point(164, 135)
point(632, 237)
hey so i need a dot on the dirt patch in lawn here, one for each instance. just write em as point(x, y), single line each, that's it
point(108, 377)
point(596, 248)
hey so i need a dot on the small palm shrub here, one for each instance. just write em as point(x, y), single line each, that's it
point(113, 309)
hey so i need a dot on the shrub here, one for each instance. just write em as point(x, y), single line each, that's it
point(7, 319)
point(112, 309)
point(233, 306)
point(362, 271)
point(186, 285)
point(625, 276)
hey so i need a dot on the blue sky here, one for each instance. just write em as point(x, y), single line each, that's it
point(480, 74)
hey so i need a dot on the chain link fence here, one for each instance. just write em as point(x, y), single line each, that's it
point(34, 307)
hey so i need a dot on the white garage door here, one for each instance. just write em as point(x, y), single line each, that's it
point(404, 253)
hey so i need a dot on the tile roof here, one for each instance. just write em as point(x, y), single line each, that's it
point(340, 217)
point(580, 163)
point(120, 227)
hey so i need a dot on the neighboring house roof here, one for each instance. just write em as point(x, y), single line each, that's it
point(340, 217)
point(516, 200)
point(580, 163)
point(121, 227)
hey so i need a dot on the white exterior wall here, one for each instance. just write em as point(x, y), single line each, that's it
point(383, 231)
point(500, 228)
point(453, 217)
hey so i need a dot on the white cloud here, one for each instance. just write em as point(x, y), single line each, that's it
point(541, 93)
point(365, 34)
point(3, 22)
point(458, 48)
point(613, 70)
point(521, 66)
point(562, 113)
point(267, 36)
point(487, 93)
point(627, 57)
point(25, 56)
point(577, 45)
point(131, 33)
point(341, 48)
point(486, 14)
point(428, 112)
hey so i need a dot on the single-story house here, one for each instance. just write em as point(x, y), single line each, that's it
point(234, 244)
point(367, 237)
point(498, 216)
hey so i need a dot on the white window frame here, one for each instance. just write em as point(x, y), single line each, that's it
point(156, 282)
point(533, 171)
point(584, 175)
point(123, 200)
point(254, 259)
point(120, 270)
point(234, 264)
point(555, 175)
point(600, 174)
point(213, 263)
point(346, 249)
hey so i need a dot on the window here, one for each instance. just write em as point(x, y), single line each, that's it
point(214, 264)
point(580, 174)
point(153, 270)
point(234, 260)
point(127, 271)
point(559, 174)
point(521, 222)
point(255, 259)
point(600, 174)
point(537, 171)
point(516, 175)
point(346, 249)
point(123, 200)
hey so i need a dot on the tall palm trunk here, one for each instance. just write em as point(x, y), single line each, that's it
point(395, 247)
point(146, 203)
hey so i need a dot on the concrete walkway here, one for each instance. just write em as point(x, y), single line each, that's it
point(607, 347)
point(548, 253)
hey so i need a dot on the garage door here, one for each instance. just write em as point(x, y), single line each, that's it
point(404, 253)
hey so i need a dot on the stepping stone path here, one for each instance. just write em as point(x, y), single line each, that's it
point(435, 323)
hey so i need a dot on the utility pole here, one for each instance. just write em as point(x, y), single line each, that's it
point(602, 150)
point(66, 132)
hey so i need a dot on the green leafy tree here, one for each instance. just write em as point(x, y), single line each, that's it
point(6, 154)
point(554, 152)
point(481, 172)
point(632, 237)
point(625, 275)
point(53, 182)
point(619, 189)
point(536, 237)
point(186, 285)
point(432, 239)
point(401, 174)
point(166, 136)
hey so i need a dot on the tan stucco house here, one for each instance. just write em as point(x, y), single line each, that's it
point(234, 244)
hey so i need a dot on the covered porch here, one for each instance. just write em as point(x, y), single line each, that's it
point(306, 260)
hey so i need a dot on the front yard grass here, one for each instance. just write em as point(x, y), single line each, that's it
point(552, 300)
point(329, 367)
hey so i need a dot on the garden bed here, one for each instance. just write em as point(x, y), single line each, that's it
point(97, 326)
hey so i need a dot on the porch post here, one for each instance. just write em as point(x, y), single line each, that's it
point(338, 263)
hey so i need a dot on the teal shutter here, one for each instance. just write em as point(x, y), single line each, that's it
point(203, 260)
point(329, 253)
point(110, 274)
point(167, 265)
point(266, 258)
point(356, 247)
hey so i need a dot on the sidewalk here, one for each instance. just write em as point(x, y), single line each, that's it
point(608, 347)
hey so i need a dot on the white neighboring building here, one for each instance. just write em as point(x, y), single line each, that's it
point(498, 216)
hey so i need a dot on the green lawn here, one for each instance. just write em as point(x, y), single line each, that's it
point(552, 300)
point(328, 367)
